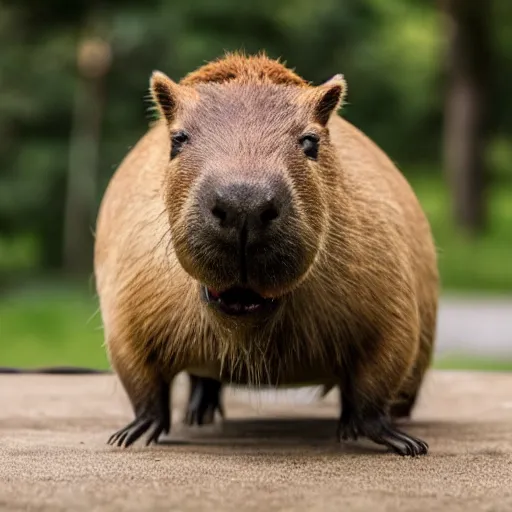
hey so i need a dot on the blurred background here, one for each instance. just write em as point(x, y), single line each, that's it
point(428, 81)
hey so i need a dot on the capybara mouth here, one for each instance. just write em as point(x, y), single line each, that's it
point(238, 301)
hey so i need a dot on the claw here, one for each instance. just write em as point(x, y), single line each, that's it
point(136, 429)
point(120, 440)
point(141, 429)
point(402, 443)
point(115, 436)
point(380, 431)
point(157, 431)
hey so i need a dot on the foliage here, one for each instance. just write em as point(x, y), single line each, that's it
point(469, 264)
point(390, 52)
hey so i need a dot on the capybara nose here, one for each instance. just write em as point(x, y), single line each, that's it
point(245, 206)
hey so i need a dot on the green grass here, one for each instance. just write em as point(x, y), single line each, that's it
point(482, 264)
point(59, 325)
point(465, 362)
point(51, 326)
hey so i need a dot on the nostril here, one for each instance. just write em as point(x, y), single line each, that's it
point(269, 214)
point(219, 213)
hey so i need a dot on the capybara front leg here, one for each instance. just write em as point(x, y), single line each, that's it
point(152, 413)
point(149, 394)
point(369, 384)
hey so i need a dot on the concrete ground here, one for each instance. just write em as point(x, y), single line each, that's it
point(269, 455)
point(477, 326)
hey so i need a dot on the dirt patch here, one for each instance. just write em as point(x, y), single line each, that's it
point(269, 455)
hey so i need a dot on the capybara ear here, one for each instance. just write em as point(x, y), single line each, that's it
point(165, 95)
point(330, 96)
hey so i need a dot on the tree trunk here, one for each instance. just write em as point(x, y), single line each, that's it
point(466, 110)
point(93, 64)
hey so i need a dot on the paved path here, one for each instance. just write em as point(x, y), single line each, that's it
point(266, 457)
point(475, 326)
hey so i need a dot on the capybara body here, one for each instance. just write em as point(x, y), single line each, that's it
point(253, 236)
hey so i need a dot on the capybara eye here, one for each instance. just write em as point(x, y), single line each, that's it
point(177, 141)
point(309, 143)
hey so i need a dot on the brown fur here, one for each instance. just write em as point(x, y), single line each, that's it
point(371, 287)
point(244, 69)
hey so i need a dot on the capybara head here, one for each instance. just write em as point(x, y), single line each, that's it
point(250, 169)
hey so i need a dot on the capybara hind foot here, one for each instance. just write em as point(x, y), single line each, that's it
point(403, 408)
point(156, 415)
point(378, 428)
point(205, 399)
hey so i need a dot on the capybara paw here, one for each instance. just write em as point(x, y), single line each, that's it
point(379, 429)
point(204, 400)
point(137, 428)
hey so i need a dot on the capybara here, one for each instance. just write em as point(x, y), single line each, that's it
point(255, 237)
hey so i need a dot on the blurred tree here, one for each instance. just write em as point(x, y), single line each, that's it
point(93, 63)
point(388, 50)
point(468, 59)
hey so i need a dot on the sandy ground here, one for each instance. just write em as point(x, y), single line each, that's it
point(269, 454)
